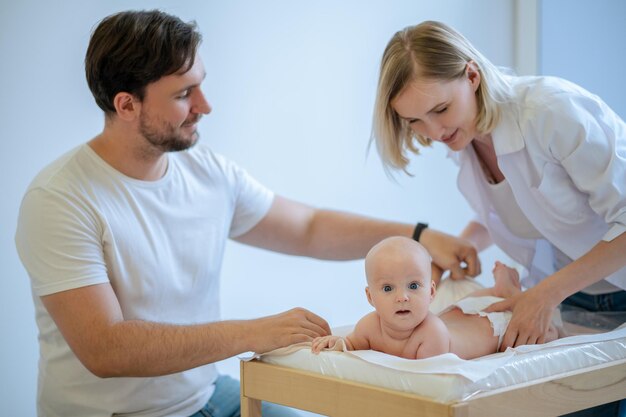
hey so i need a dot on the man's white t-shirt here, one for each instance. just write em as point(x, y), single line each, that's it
point(159, 244)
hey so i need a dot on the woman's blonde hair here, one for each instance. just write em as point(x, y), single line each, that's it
point(431, 50)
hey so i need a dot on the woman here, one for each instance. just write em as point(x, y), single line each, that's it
point(542, 162)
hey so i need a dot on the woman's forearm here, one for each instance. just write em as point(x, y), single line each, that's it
point(601, 261)
point(478, 235)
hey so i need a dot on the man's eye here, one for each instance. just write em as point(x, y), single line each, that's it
point(387, 288)
point(413, 286)
point(184, 94)
point(441, 110)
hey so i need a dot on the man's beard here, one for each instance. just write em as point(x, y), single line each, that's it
point(167, 139)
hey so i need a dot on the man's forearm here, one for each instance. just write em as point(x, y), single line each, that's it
point(337, 235)
point(91, 321)
point(141, 349)
point(299, 229)
point(341, 236)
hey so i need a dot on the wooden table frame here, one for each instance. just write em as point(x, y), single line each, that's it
point(553, 396)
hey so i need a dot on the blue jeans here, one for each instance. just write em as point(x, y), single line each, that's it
point(612, 302)
point(615, 301)
point(225, 402)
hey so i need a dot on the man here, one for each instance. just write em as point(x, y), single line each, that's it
point(123, 240)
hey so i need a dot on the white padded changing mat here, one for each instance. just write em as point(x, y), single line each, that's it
point(448, 384)
point(447, 378)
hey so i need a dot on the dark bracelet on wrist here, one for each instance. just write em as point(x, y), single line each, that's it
point(417, 232)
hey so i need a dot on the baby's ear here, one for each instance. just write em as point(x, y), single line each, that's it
point(433, 290)
point(369, 296)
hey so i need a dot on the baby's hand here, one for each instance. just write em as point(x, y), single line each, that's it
point(320, 343)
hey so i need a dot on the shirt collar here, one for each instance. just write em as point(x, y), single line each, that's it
point(507, 136)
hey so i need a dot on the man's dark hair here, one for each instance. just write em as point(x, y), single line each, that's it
point(132, 49)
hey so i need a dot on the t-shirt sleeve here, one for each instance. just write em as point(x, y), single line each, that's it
point(58, 241)
point(252, 200)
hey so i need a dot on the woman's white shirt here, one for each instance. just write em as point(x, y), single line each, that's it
point(563, 153)
point(508, 210)
point(515, 220)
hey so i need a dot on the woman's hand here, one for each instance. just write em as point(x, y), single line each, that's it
point(457, 255)
point(532, 316)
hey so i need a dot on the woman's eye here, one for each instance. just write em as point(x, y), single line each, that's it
point(387, 288)
point(184, 94)
point(413, 286)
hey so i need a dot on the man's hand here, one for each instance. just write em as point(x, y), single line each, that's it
point(294, 326)
point(450, 253)
point(436, 274)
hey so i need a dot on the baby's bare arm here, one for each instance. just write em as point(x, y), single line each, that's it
point(324, 342)
point(435, 338)
point(357, 340)
point(352, 343)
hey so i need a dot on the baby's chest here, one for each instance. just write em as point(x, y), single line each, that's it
point(411, 347)
point(406, 348)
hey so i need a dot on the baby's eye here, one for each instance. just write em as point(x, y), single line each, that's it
point(387, 288)
point(413, 286)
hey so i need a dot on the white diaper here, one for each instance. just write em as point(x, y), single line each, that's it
point(475, 305)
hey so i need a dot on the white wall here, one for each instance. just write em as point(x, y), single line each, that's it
point(583, 41)
point(292, 86)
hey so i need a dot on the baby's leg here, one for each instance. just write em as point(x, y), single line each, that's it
point(471, 335)
point(506, 283)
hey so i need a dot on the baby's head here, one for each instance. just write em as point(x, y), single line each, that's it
point(399, 284)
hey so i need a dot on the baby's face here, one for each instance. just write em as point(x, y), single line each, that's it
point(400, 289)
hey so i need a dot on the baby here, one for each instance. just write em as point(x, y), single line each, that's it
point(400, 289)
